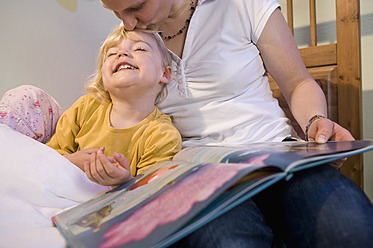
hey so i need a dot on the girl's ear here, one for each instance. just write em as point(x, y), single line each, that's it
point(166, 75)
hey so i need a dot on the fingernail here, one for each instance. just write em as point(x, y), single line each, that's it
point(321, 139)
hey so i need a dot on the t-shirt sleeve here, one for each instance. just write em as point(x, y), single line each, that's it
point(68, 126)
point(162, 143)
point(258, 13)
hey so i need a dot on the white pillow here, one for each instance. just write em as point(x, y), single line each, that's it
point(36, 183)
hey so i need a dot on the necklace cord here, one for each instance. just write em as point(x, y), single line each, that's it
point(187, 21)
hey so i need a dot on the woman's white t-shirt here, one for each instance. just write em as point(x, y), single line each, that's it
point(219, 92)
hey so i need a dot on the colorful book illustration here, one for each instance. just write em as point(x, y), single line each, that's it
point(172, 199)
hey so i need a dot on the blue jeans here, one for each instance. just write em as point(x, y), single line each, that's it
point(318, 207)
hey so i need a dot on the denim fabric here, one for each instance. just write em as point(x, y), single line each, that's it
point(318, 207)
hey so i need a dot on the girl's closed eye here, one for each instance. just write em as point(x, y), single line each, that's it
point(111, 54)
point(140, 49)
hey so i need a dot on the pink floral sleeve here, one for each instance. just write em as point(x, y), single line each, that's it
point(30, 111)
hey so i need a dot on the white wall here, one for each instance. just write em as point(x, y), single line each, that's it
point(326, 34)
point(48, 46)
point(366, 7)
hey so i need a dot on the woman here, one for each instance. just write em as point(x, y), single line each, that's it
point(219, 94)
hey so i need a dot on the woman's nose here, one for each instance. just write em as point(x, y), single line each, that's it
point(129, 22)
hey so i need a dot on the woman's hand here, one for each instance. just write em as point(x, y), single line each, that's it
point(322, 130)
point(108, 171)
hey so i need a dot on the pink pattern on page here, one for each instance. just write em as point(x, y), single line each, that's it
point(174, 202)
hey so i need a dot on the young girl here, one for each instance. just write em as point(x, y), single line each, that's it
point(115, 131)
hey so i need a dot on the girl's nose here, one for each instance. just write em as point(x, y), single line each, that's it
point(124, 53)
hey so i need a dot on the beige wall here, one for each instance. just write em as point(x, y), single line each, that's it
point(326, 34)
point(47, 45)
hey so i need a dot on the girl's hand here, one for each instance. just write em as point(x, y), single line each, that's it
point(78, 158)
point(108, 171)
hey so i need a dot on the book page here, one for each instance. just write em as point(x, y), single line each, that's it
point(284, 155)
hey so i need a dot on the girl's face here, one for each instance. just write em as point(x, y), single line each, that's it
point(134, 65)
point(142, 14)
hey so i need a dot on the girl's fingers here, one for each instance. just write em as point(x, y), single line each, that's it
point(107, 169)
point(87, 171)
point(95, 167)
point(122, 161)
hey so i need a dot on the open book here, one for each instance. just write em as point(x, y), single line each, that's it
point(172, 199)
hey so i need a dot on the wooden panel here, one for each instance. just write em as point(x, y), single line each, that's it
point(349, 67)
point(319, 55)
point(349, 85)
point(289, 7)
point(313, 32)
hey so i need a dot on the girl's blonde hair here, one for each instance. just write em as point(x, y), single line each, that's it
point(95, 86)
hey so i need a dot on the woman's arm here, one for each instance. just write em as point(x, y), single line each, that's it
point(304, 96)
point(283, 61)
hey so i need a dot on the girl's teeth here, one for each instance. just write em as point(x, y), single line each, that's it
point(125, 67)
